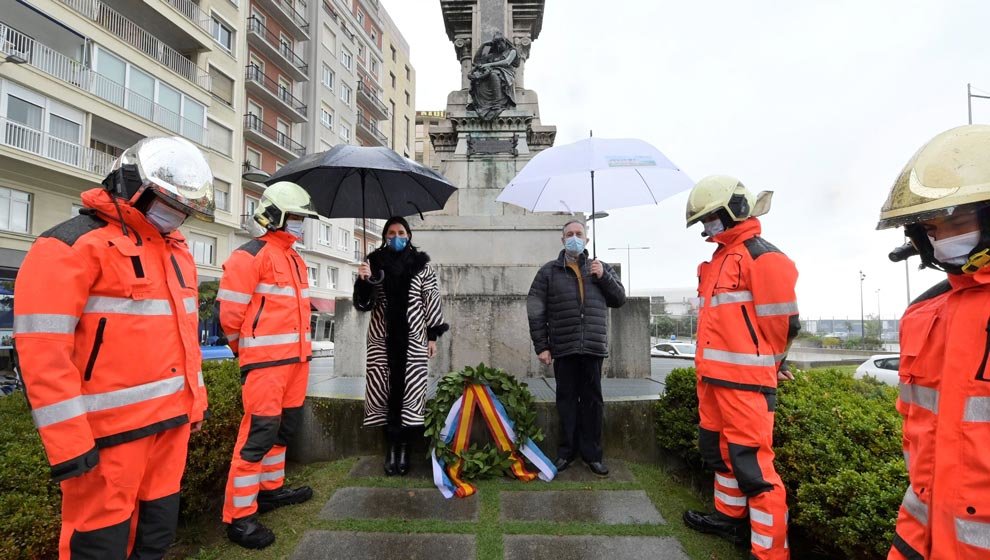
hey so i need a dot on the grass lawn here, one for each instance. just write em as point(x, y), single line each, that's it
point(207, 541)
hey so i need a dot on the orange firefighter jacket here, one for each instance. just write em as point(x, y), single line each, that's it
point(105, 328)
point(748, 310)
point(945, 401)
point(264, 303)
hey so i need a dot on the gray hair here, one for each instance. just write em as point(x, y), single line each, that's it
point(583, 227)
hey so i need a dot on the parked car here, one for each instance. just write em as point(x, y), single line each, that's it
point(217, 353)
point(673, 350)
point(883, 367)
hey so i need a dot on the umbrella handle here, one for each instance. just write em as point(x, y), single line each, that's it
point(377, 279)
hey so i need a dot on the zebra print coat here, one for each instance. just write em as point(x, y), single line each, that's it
point(425, 318)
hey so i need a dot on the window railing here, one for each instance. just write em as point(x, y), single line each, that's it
point(274, 41)
point(257, 75)
point(141, 39)
point(371, 128)
point(21, 137)
point(371, 95)
point(74, 72)
point(192, 12)
point(254, 123)
point(298, 17)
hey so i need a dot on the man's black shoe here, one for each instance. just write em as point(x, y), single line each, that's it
point(598, 468)
point(272, 499)
point(732, 529)
point(248, 532)
point(562, 464)
point(402, 463)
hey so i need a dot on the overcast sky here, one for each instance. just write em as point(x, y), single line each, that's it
point(821, 102)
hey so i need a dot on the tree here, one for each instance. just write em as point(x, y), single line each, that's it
point(663, 326)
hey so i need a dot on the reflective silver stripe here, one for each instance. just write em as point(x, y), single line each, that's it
point(915, 506)
point(232, 337)
point(269, 340)
point(727, 482)
point(126, 306)
point(274, 475)
point(274, 459)
point(76, 406)
point(191, 304)
point(304, 292)
point(232, 296)
point(760, 517)
point(731, 297)
point(275, 290)
point(738, 358)
point(977, 409)
point(58, 412)
point(202, 381)
point(907, 460)
point(246, 481)
point(767, 309)
point(731, 500)
point(309, 337)
point(134, 395)
point(45, 323)
point(244, 501)
point(925, 397)
point(973, 533)
point(761, 540)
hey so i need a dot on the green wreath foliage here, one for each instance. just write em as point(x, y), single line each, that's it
point(485, 461)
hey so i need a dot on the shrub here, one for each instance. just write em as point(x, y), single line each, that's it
point(838, 449)
point(30, 503)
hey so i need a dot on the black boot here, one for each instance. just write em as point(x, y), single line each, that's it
point(733, 529)
point(392, 460)
point(273, 499)
point(248, 532)
point(403, 462)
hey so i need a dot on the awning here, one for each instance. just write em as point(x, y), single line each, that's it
point(322, 305)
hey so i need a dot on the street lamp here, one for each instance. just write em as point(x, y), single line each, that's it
point(628, 264)
point(253, 174)
point(879, 321)
point(969, 100)
point(862, 316)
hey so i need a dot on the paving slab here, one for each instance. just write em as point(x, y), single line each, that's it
point(608, 507)
point(527, 547)
point(335, 545)
point(577, 471)
point(371, 466)
point(398, 503)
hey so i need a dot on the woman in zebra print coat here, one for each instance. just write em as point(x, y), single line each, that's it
point(406, 320)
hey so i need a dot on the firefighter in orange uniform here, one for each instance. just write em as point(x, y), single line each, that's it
point(264, 311)
point(942, 198)
point(106, 321)
point(747, 320)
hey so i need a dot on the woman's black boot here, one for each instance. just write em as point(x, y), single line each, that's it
point(391, 459)
point(402, 465)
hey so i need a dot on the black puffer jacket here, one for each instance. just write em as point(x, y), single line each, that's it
point(557, 320)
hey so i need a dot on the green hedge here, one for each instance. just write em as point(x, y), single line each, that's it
point(30, 503)
point(838, 447)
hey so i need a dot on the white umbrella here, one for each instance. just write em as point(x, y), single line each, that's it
point(595, 174)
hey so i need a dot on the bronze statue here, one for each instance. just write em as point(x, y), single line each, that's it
point(493, 78)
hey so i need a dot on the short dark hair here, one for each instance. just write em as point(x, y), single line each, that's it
point(584, 228)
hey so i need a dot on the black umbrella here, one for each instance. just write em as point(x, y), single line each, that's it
point(366, 182)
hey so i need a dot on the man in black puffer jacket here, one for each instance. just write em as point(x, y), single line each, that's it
point(568, 321)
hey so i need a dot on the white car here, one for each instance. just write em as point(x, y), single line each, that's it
point(673, 350)
point(883, 367)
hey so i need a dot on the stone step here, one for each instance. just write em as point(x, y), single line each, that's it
point(335, 545)
point(615, 507)
point(398, 503)
point(528, 547)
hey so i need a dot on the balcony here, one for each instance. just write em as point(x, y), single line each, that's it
point(266, 41)
point(371, 99)
point(368, 131)
point(374, 228)
point(180, 23)
point(139, 38)
point(267, 135)
point(37, 142)
point(73, 72)
point(277, 94)
point(291, 15)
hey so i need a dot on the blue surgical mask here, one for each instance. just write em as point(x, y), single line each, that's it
point(574, 245)
point(295, 227)
point(397, 243)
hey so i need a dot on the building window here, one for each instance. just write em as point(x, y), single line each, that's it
point(203, 248)
point(374, 37)
point(329, 39)
point(223, 34)
point(221, 86)
point(374, 67)
point(250, 205)
point(360, 17)
point(392, 48)
point(221, 137)
point(345, 238)
point(408, 100)
point(314, 275)
point(332, 274)
point(408, 128)
point(279, 164)
point(408, 74)
point(15, 210)
point(345, 93)
point(221, 194)
point(371, 247)
point(391, 77)
point(326, 118)
point(253, 157)
point(346, 59)
point(326, 234)
point(328, 77)
point(345, 132)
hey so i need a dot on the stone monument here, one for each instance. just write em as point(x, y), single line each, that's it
point(486, 252)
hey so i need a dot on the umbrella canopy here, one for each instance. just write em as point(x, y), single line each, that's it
point(619, 172)
point(366, 182)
